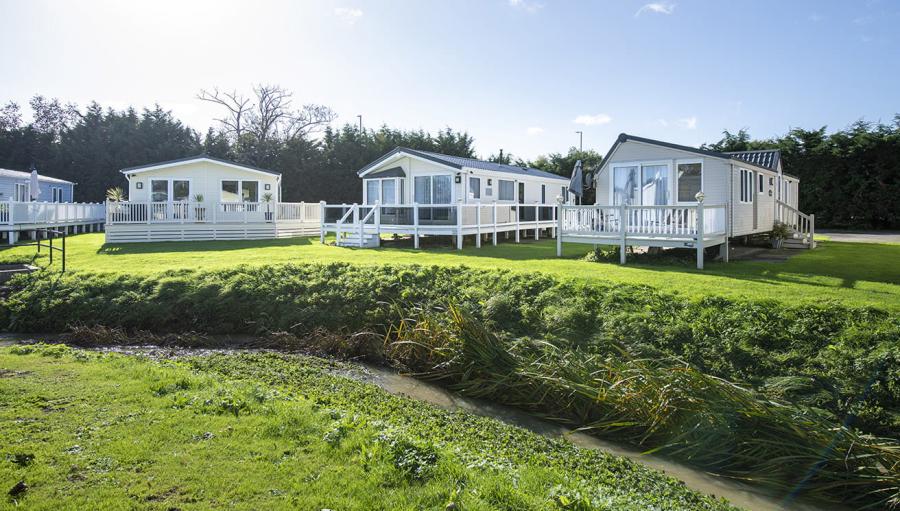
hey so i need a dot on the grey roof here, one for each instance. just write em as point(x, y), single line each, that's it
point(18, 174)
point(391, 172)
point(459, 162)
point(766, 158)
point(741, 156)
point(199, 157)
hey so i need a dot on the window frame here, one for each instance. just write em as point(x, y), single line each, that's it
point(762, 183)
point(476, 194)
point(240, 191)
point(688, 161)
point(26, 194)
point(747, 186)
point(56, 194)
point(612, 180)
point(500, 190)
point(668, 174)
point(431, 176)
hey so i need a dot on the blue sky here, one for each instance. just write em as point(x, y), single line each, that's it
point(522, 75)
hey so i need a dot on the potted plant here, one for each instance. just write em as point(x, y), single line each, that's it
point(115, 195)
point(780, 231)
point(199, 208)
point(267, 198)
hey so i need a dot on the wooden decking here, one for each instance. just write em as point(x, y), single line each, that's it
point(18, 217)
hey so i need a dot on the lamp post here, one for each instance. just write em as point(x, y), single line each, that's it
point(580, 141)
point(360, 123)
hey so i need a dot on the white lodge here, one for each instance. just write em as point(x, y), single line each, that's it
point(415, 193)
point(202, 197)
point(657, 194)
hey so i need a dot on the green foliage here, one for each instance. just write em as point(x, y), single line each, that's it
point(847, 355)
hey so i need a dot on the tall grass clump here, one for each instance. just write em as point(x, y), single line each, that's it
point(663, 405)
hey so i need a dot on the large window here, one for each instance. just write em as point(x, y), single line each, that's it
point(388, 191)
point(625, 186)
point(690, 181)
point(433, 190)
point(181, 190)
point(371, 191)
point(159, 190)
point(654, 185)
point(746, 186)
point(237, 191)
point(475, 187)
point(507, 190)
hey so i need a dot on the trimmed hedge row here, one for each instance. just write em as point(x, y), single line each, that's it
point(845, 360)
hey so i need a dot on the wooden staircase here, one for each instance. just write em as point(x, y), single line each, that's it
point(802, 227)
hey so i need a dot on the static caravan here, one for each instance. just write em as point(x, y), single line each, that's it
point(205, 198)
point(658, 194)
point(421, 193)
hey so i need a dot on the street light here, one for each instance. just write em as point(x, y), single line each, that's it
point(360, 123)
point(580, 141)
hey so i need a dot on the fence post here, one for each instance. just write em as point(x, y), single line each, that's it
point(558, 211)
point(302, 215)
point(415, 225)
point(322, 222)
point(623, 227)
point(700, 197)
point(517, 222)
point(378, 222)
point(478, 225)
point(359, 221)
point(537, 222)
point(812, 230)
point(459, 224)
point(494, 221)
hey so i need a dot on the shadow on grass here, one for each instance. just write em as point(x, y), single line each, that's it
point(159, 247)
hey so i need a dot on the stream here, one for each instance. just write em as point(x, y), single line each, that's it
point(738, 493)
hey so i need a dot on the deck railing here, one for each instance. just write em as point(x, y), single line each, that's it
point(138, 212)
point(802, 224)
point(453, 219)
point(51, 213)
point(668, 221)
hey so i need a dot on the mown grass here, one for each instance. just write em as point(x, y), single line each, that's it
point(84, 430)
point(860, 274)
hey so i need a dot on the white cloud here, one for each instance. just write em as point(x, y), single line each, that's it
point(348, 15)
point(689, 123)
point(656, 8)
point(529, 6)
point(815, 17)
point(535, 130)
point(593, 120)
point(662, 123)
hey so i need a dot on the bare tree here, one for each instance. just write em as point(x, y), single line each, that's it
point(238, 109)
point(269, 115)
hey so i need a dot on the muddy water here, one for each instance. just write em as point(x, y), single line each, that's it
point(737, 493)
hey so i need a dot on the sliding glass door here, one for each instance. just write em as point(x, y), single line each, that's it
point(433, 190)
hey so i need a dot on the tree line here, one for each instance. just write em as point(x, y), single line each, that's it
point(849, 178)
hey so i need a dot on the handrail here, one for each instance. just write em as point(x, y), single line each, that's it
point(365, 219)
point(801, 223)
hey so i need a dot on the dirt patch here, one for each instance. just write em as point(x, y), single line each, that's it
point(8, 373)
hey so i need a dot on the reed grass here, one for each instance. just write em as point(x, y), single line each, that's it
point(663, 405)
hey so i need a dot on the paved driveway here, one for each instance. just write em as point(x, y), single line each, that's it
point(862, 236)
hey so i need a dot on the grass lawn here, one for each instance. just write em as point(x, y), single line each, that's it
point(84, 430)
point(852, 273)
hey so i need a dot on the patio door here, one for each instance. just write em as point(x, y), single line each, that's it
point(433, 190)
point(22, 192)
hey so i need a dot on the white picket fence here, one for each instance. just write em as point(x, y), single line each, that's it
point(129, 212)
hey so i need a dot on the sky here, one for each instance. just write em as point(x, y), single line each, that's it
point(521, 75)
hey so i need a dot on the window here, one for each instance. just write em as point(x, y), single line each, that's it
point(388, 191)
point(543, 194)
point(762, 183)
point(181, 190)
point(475, 187)
point(371, 191)
point(746, 186)
point(690, 181)
point(488, 191)
point(507, 190)
point(230, 191)
point(521, 193)
point(159, 190)
point(565, 194)
point(57, 193)
point(433, 190)
point(250, 191)
point(654, 185)
point(22, 192)
point(625, 185)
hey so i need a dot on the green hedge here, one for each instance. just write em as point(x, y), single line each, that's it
point(844, 360)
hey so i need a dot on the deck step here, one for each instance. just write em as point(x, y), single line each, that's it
point(352, 240)
point(796, 243)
